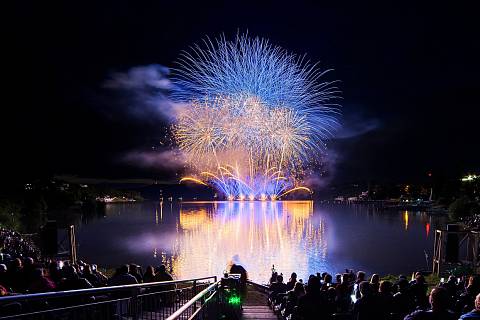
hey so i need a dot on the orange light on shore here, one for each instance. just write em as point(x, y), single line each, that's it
point(405, 219)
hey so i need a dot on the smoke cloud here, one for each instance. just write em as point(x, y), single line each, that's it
point(169, 159)
point(142, 92)
point(139, 97)
point(356, 124)
point(142, 77)
point(324, 175)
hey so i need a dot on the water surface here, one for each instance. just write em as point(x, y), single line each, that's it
point(199, 238)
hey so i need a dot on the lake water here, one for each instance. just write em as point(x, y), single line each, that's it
point(198, 238)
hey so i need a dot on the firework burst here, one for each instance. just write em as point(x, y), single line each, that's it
point(257, 116)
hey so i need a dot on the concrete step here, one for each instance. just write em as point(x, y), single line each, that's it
point(262, 316)
point(258, 312)
point(262, 307)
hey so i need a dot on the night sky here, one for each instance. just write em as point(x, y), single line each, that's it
point(410, 80)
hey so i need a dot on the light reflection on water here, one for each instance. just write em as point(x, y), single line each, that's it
point(198, 238)
point(260, 233)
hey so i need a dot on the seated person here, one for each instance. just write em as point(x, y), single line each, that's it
point(439, 301)
point(475, 313)
point(277, 289)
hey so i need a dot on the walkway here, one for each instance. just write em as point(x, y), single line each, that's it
point(255, 306)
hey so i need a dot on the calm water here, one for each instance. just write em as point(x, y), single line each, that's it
point(198, 238)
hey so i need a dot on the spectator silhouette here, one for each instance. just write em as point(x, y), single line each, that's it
point(16, 278)
point(368, 306)
point(338, 279)
point(291, 282)
point(93, 278)
point(149, 275)
point(344, 290)
point(439, 302)
point(72, 281)
point(375, 283)
point(135, 270)
point(451, 286)
point(418, 290)
point(327, 282)
point(403, 302)
point(237, 268)
point(161, 274)
point(310, 305)
point(277, 288)
point(40, 283)
point(360, 279)
point(385, 298)
point(122, 277)
point(54, 271)
point(475, 313)
point(292, 298)
point(466, 301)
point(3, 276)
point(28, 269)
point(273, 277)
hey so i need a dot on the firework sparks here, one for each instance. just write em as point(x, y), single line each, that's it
point(257, 117)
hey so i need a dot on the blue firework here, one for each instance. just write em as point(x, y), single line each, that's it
point(256, 104)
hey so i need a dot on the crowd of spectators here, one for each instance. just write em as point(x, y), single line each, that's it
point(26, 275)
point(354, 296)
point(22, 271)
point(13, 244)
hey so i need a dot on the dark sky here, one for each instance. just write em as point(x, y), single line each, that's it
point(410, 78)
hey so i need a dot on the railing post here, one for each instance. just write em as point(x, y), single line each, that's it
point(194, 294)
point(216, 302)
point(134, 304)
point(72, 244)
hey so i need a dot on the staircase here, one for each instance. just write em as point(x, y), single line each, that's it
point(255, 305)
point(258, 312)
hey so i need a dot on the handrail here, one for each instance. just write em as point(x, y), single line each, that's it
point(68, 293)
point(58, 309)
point(205, 302)
point(187, 305)
point(262, 286)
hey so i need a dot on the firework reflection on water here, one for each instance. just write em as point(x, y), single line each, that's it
point(260, 233)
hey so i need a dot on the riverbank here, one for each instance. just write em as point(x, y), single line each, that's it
point(27, 207)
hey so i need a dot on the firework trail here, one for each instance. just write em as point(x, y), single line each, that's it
point(257, 116)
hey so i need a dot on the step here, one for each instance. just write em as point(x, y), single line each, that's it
point(258, 312)
point(259, 316)
point(256, 307)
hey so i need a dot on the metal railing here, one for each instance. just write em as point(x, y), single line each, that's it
point(260, 287)
point(213, 302)
point(156, 300)
point(202, 306)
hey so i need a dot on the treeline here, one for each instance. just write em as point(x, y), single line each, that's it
point(28, 206)
point(466, 203)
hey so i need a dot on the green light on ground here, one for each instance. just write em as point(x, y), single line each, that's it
point(234, 300)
